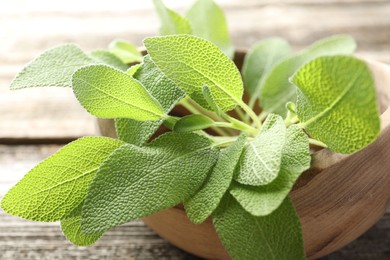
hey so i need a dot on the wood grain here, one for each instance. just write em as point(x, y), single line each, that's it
point(49, 116)
point(28, 31)
point(22, 239)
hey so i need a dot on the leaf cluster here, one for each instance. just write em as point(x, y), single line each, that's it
point(223, 160)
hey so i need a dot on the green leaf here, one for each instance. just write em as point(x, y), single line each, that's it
point(52, 68)
point(263, 200)
point(138, 181)
point(208, 22)
point(171, 22)
point(103, 56)
point(192, 62)
point(56, 186)
point(276, 236)
point(261, 158)
point(277, 90)
point(210, 101)
point(337, 102)
point(205, 201)
point(133, 69)
point(125, 51)
point(71, 227)
point(109, 93)
point(260, 60)
point(192, 123)
point(162, 89)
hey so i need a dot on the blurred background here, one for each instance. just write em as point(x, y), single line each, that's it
point(34, 123)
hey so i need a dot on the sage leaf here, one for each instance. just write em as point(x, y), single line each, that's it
point(171, 22)
point(162, 89)
point(192, 63)
point(192, 123)
point(205, 201)
point(109, 93)
point(276, 90)
point(125, 51)
point(337, 102)
point(106, 57)
point(56, 186)
point(208, 21)
point(261, 59)
point(210, 101)
point(71, 227)
point(263, 200)
point(138, 181)
point(133, 69)
point(277, 236)
point(53, 68)
point(260, 161)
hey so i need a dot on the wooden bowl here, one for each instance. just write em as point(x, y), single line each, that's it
point(338, 198)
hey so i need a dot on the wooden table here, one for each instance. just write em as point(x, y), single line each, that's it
point(34, 123)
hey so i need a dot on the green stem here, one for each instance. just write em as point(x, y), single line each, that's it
point(291, 118)
point(317, 143)
point(251, 113)
point(241, 127)
point(244, 117)
point(196, 109)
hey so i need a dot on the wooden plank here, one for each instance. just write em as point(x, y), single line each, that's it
point(55, 115)
point(21, 239)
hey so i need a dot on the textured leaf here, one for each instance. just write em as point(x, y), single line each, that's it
point(260, 161)
point(54, 68)
point(210, 101)
point(205, 201)
point(208, 22)
point(277, 90)
point(133, 69)
point(277, 236)
point(138, 181)
point(192, 123)
point(263, 200)
point(192, 62)
point(106, 57)
point(162, 89)
point(71, 227)
point(261, 59)
point(125, 51)
point(171, 22)
point(56, 186)
point(337, 102)
point(108, 93)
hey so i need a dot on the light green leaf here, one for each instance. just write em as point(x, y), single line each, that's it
point(192, 123)
point(277, 236)
point(277, 90)
point(261, 158)
point(103, 56)
point(337, 102)
point(133, 69)
point(210, 101)
point(125, 51)
point(171, 22)
point(138, 181)
point(71, 227)
point(208, 22)
point(261, 59)
point(162, 89)
point(56, 186)
point(192, 62)
point(54, 68)
point(109, 93)
point(205, 201)
point(263, 200)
